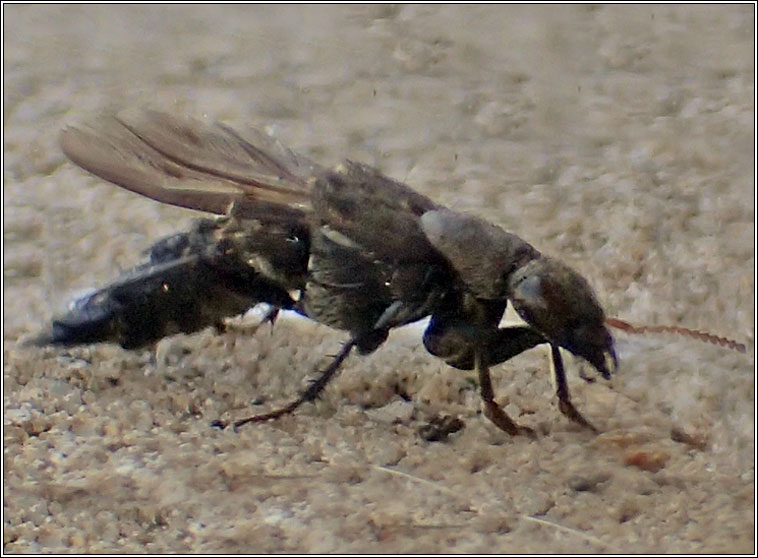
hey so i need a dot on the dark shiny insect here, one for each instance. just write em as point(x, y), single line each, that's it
point(347, 247)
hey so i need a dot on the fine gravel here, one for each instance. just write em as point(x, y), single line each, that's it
point(618, 138)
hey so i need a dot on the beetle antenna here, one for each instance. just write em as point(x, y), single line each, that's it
point(703, 336)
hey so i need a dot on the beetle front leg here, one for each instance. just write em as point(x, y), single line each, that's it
point(562, 390)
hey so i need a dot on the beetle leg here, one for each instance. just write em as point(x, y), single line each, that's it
point(377, 334)
point(455, 342)
point(310, 394)
point(492, 410)
point(562, 390)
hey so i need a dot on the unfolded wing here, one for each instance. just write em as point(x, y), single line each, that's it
point(190, 163)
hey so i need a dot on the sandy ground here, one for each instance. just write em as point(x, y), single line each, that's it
point(617, 138)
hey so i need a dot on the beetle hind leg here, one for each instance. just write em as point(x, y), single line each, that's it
point(310, 394)
point(365, 343)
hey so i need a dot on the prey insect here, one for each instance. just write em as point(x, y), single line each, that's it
point(347, 247)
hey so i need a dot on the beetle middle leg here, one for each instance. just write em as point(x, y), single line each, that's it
point(467, 346)
point(454, 341)
point(492, 410)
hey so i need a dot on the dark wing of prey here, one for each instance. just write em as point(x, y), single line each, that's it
point(190, 163)
point(217, 269)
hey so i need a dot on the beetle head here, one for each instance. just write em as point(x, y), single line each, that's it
point(560, 304)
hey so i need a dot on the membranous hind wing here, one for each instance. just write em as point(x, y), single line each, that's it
point(189, 163)
point(257, 251)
